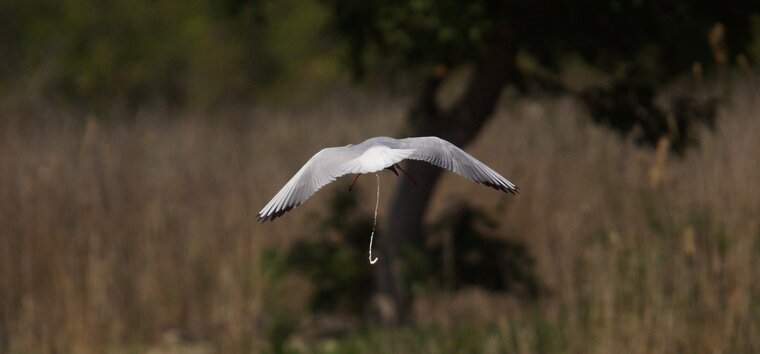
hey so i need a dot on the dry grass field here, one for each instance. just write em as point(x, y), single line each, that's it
point(141, 236)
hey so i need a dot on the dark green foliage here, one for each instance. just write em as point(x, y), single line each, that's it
point(334, 256)
point(93, 52)
point(468, 251)
point(278, 334)
point(658, 39)
point(103, 57)
point(414, 34)
point(639, 44)
point(629, 108)
point(280, 324)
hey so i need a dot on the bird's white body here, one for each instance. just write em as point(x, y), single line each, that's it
point(374, 155)
point(375, 159)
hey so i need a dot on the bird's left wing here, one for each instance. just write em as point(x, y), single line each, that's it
point(323, 168)
point(448, 156)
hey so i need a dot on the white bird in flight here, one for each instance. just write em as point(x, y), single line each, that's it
point(374, 155)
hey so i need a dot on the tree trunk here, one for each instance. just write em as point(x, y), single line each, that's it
point(460, 125)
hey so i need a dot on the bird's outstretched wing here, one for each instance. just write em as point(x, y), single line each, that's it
point(448, 156)
point(323, 168)
point(326, 166)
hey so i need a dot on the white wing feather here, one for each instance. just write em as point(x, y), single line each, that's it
point(320, 170)
point(448, 156)
point(323, 168)
point(331, 163)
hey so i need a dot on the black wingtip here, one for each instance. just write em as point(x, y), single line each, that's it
point(269, 217)
point(500, 187)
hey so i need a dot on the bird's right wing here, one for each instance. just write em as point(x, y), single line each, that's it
point(323, 168)
point(446, 155)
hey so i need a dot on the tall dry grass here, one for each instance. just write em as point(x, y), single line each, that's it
point(131, 236)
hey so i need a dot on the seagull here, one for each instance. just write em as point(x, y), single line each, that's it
point(372, 156)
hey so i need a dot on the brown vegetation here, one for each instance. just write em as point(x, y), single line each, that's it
point(131, 235)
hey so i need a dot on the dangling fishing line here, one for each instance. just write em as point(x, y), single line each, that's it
point(374, 223)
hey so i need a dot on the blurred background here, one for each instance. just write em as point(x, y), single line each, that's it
point(140, 138)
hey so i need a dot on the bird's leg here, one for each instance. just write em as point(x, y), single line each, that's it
point(414, 182)
point(351, 187)
point(393, 168)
